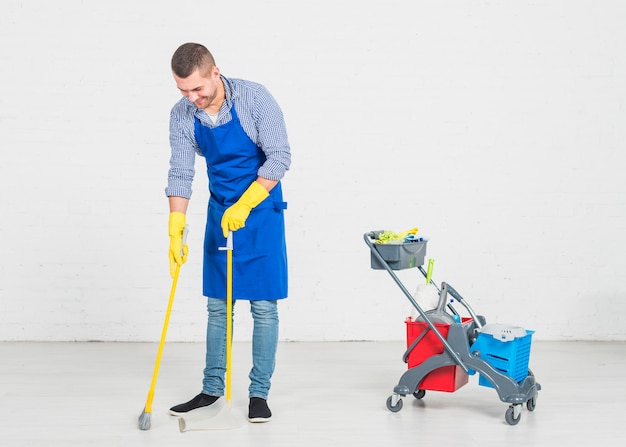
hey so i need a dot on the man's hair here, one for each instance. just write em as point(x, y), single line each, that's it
point(189, 57)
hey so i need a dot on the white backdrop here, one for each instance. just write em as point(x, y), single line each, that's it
point(496, 127)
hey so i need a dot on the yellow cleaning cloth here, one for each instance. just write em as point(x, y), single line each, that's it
point(388, 236)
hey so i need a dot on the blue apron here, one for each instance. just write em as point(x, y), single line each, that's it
point(259, 254)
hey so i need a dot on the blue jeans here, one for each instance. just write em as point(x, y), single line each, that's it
point(264, 345)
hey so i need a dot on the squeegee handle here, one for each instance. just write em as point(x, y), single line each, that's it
point(229, 242)
point(456, 295)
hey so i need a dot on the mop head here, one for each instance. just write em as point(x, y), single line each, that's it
point(427, 297)
point(213, 417)
point(144, 420)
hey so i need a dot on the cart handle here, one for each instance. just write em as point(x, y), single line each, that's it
point(457, 296)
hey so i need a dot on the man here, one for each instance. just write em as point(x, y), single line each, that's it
point(238, 127)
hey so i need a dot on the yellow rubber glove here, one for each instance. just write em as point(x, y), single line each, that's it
point(235, 217)
point(177, 253)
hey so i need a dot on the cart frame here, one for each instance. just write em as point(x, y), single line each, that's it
point(456, 352)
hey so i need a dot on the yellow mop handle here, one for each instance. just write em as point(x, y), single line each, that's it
point(429, 272)
point(155, 374)
point(229, 316)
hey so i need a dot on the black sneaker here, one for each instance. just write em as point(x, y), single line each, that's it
point(258, 411)
point(201, 400)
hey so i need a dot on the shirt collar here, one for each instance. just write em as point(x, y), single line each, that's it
point(230, 92)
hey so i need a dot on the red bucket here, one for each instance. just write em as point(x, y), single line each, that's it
point(446, 378)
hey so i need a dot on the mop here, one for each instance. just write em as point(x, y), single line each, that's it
point(218, 416)
point(426, 295)
point(144, 417)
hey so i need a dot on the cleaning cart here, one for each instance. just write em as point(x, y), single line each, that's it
point(444, 348)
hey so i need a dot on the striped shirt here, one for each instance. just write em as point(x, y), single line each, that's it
point(261, 119)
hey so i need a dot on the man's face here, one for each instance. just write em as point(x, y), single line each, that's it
point(200, 89)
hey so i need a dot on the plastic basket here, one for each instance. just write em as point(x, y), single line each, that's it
point(507, 357)
point(446, 378)
point(399, 256)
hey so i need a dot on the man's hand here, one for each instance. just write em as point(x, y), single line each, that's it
point(235, 216)
point(177, 253)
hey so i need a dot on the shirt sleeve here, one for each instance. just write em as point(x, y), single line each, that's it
point(184, 147)
point(272, 136)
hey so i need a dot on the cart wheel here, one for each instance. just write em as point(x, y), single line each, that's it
point(531, 404)
point(419, 394)
point(392, 408)
point(509, 416)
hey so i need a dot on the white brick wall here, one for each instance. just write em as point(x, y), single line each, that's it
point(495, 127)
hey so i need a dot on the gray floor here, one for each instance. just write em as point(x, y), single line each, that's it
point(324, 394)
